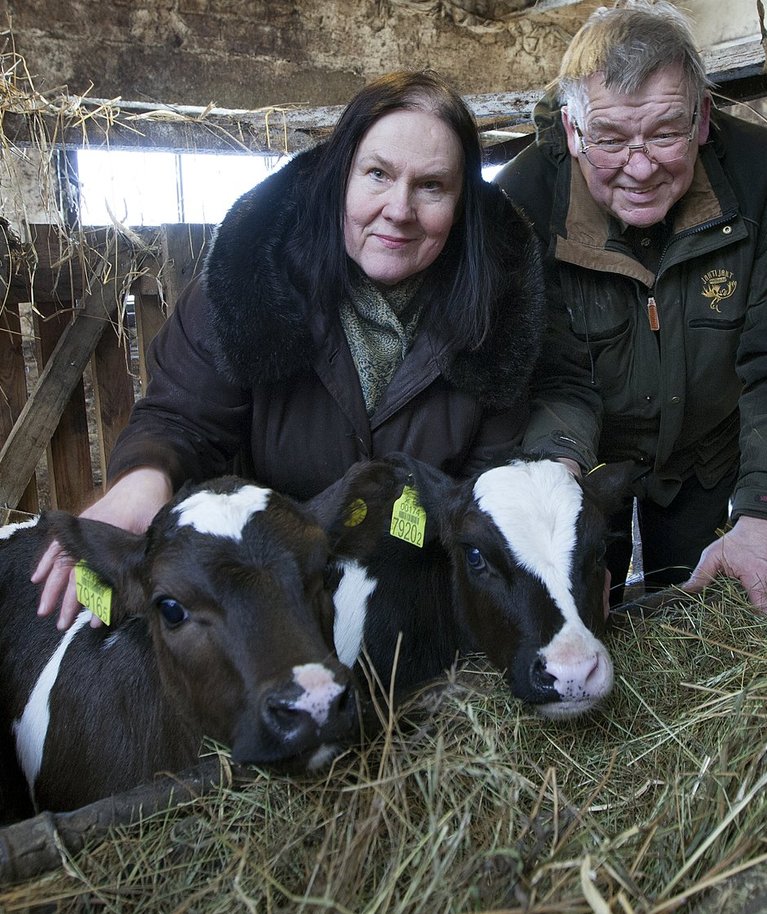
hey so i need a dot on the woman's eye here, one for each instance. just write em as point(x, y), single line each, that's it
point(474, 558)
point(172, 612)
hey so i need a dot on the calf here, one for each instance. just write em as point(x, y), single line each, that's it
point(221, 626)
point(511, 564)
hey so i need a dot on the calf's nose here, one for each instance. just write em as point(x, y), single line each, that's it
point(313, 710)
point(583, 677)
point(314, 715)
point(574, 678)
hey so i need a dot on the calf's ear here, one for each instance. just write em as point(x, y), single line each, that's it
point(114, 554)
point(357, 510)
point(610, 484)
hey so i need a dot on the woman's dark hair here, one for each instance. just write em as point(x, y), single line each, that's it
point(463, 313)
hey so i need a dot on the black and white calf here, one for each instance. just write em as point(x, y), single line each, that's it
point(511, 566)
point(221, 626)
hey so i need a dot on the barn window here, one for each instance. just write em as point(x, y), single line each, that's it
point(151, 188)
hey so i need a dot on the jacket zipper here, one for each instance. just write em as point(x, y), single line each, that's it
point(652, 307)
point(652, 314)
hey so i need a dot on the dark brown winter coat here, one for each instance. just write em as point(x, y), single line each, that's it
point(246, 363)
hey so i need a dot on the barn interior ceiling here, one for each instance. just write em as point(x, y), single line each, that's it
point(274, 74)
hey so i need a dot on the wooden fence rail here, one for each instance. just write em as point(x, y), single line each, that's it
point(75, 323)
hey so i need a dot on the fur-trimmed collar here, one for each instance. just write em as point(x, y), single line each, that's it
point(261, 318)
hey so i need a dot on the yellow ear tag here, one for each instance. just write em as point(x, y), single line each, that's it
point(92, 593)
point(408, 518)
point(356, 512)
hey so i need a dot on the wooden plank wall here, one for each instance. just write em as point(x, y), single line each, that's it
point(73, 352)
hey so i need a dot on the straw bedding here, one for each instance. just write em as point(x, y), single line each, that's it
point(467, 802)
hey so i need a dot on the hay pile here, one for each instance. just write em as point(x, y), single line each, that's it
point(466, 802)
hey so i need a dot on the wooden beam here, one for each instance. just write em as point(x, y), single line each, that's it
point(181, 128)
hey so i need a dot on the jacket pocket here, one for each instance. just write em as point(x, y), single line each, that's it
point(598, 334)
point(712, 324)
point(718, 452)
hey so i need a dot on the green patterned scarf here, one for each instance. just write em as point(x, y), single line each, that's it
point(380, 327)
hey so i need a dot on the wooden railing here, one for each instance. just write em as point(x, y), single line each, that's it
point(75, 323)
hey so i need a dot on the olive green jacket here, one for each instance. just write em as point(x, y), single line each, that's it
point(687, 397)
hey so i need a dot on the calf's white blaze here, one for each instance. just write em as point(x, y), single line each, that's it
point(350, 601)
point(220, 513)
point(319, 690)
point(31, 728)
point(535, 506)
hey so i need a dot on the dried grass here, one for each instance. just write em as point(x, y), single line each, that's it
point(467, 802)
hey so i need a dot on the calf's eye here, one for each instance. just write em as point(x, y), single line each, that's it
point(474, 558)
point(172, 612)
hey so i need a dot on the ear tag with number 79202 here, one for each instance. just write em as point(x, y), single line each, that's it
point(93, 593)
point(408, 518)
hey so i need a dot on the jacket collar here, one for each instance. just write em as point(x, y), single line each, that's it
point(586, 236)
point(265, 330)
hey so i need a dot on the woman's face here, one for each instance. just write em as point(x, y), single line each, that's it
point(403, 192)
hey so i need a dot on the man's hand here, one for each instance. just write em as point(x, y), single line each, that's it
point(742, 554)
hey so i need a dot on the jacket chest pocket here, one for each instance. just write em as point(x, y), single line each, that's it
point(600, 314)
point(717, 297)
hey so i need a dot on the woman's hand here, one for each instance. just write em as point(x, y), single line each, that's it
point(130, 503)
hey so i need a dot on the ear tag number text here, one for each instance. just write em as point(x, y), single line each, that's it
point(92, 593)
point(408, 518)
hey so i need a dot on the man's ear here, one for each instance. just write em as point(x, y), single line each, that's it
point(573, 140)
point(704, 118)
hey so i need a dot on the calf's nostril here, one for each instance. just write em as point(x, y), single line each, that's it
point(540, 677)
point(282, 715)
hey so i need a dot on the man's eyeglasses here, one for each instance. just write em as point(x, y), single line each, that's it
point(661, 150)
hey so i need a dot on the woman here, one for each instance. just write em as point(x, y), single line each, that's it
point(374, 295)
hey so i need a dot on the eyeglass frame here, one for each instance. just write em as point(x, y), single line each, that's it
point(632, 147)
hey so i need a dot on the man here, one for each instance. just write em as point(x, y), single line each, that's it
point(653, 209)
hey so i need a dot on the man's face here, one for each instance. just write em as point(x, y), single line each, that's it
point(641, 192)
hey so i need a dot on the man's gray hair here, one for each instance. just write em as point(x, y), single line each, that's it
point(627, 44)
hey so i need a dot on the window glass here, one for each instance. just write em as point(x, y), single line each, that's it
point(149, 188)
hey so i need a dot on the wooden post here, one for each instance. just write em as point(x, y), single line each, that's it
point(184, 249)
point(112, 393)
point(150, 316)
point(13, 388)
point(70, 473)
point(62, 373)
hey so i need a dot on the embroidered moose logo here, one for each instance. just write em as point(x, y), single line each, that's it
point(717, 286)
